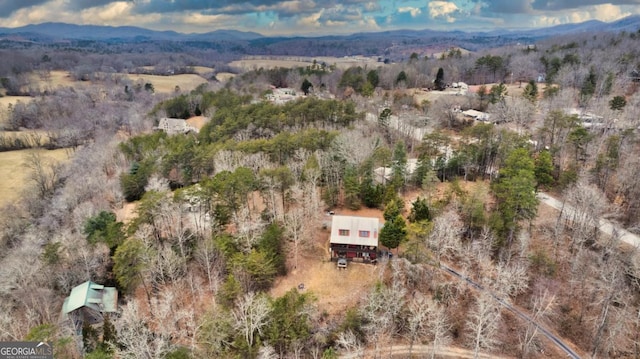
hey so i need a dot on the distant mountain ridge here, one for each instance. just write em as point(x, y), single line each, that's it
point(62, 31)
point(391, 45)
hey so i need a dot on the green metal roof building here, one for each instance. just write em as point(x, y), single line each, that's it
point(88, 302)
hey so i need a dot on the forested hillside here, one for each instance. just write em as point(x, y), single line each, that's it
point(197, 230)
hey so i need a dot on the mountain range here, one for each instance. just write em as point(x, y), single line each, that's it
point(393, 45)
point(62, 31)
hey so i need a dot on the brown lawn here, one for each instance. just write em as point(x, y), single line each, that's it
point(335, 290)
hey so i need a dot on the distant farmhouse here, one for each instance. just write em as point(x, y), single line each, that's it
point(354, 238)
point(477, 115)
point(383, 175)
point(281, 96)
point(87, 304)
point(175, 126)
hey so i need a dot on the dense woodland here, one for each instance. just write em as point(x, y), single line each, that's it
point(221, 214)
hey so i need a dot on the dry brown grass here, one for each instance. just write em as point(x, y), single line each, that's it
point(300, 61)
point(5, 101)
point(335, 290)
point(224, 76)
point(34, 138)
point(202, 70)
point(167, 84)
point(162, 84)
point(197, 121)
point(14, 176)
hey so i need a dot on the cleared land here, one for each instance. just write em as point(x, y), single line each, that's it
point(224, 76)
point(167, 84)
point(53, 79)
point(14, 176)
point(250, 63)
point(34, 138)
point(202, 70)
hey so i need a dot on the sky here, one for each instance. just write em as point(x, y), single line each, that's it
point(314, 17)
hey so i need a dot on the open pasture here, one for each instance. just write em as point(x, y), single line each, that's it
point(14, 174)
point(167, 84)
point(251, 63)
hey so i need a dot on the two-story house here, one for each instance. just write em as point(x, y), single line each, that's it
point(354, 238)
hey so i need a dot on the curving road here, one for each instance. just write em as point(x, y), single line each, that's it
point(604, 225)
point(547, 333)
point(417, 349)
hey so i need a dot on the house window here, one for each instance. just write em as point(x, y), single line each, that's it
point(343, 232)
point(364, 234)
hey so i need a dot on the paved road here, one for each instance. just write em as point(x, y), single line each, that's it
point(604, 225)
point(556, 340)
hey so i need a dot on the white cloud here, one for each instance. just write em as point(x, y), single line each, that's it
point(116, 13)
point(608, 12)
point(199, 19)
point(443, 9)
point(603, 12)
point(414, 11)
point(312, 20)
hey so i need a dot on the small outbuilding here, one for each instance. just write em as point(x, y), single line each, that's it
point(354, 238)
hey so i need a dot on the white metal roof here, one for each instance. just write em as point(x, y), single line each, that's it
point(354, 225)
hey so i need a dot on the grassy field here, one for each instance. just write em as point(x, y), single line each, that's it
point(203, 70)
point(34, 138)
point(14, 176)
point(224, 76)
point(167, 84)
point(300, 61)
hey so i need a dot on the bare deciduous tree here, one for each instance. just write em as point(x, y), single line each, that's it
point(439, 328)
point(382, 309)
point(296, 225)
point(586, 205)
point(444, 238)
point(483, 322)
point(543, 306)
point(44, 174)
point(251, 315)
point(212, 261)
point(511, 279)
point(354, 146)
point(611, 321)
point(349, 342)
point(418, 320)
point(135, 337)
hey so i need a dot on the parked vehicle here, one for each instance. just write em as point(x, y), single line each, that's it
point(342, 263)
